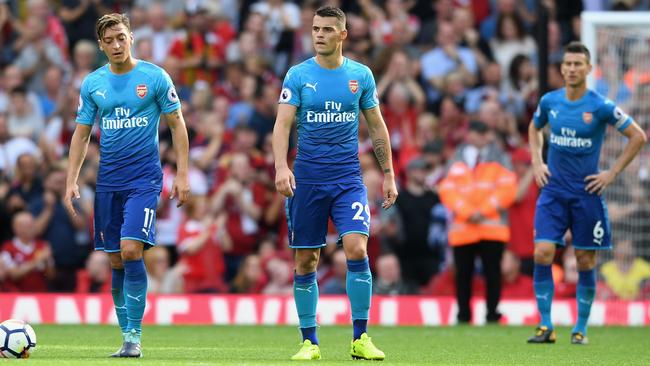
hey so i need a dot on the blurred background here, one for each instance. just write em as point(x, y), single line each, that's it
point(441, 66)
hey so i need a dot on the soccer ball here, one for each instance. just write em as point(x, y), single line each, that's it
point(17, 339)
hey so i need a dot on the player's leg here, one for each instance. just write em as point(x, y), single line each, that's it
point(585, 293)
point(307, 213)
point(591, 232)
point(351, 215)
point(552, 218)
point(107, 223)
point(135, 293)
point(137, 233)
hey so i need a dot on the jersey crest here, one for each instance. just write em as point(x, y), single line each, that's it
point(587, 117)
point(354, 85)
point(141, 90)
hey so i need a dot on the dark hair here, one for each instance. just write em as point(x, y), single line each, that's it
point(519, 24)
point(513, 70)
point(333, 12)
point(578, 47)
point(111, 20)
point(20, 89)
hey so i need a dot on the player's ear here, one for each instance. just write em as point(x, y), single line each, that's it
point(99, 43)
point(344, 34)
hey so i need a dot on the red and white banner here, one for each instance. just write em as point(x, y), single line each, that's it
point(276, 310)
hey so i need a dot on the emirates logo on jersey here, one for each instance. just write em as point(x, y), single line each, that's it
point(141, 90)
point(354, 86)
point(587, 117)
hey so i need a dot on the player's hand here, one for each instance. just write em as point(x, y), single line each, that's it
point(541, 173)
point(181, 189)
point(390, 192)
point(596, 183)
point(71, 192)
point(285, 182)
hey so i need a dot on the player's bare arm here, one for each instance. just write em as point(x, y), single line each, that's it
point(285, 182)
point(536, 142)
point(76, 156)
point(181, 187)
point(596, 183)
point(381, 145)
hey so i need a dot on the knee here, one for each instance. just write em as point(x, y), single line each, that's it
point(131, 251)
point(585, 261)
point(356, 252)
point(544, 254)
point(306, 261)
point(116, 261)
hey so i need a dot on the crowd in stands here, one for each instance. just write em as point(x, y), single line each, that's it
point(444, 69)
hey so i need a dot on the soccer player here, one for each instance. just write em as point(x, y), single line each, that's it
point(326, 93)
point(572, 184)
point(129, 95)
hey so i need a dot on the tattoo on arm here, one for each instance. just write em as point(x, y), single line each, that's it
point(380, 152)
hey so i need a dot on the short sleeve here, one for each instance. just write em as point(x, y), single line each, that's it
point(369, 97)
point(540, 117)
point(614, 115)
point(166, 95)
point(87, 109)
point(290, 93)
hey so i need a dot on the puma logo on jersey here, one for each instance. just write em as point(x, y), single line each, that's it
point(313, 86)
point(101, 93)
point(553, 113)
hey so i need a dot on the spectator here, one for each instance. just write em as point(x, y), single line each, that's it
point(282, 19)
point(95, 278)
point(84, 60)
point(24, 119)
point(241, 198)
point(522, 211)
point(335, 284)
point(625, 275)
point(410, 225)
point(37, 53)
point(446, 57)
point(280, 277)
point(157, 31)
point(160, 278)
point(478, 189)
point(200, 255)
point(52, 95)
point(511, 39)
point(79, 17)
point(389, 280)
point(66, 234)
point(12, 148)
point(514, 285)
point(250, 278)
point(27, 188)
point(463, 23)
point(28, 261)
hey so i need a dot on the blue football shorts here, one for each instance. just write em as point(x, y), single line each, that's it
point(311, 206)
point(129, 214)
point(586, 216)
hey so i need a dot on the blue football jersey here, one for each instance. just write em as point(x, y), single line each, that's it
point(577, 133)
point(329, 103)
point(129, 107)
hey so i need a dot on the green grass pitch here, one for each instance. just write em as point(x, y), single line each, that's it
point(273, 345)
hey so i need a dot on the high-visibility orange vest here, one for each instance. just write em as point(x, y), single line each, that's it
point(488, 189)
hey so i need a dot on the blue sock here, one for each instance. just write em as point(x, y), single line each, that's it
point(358, 285)
point(544, 288)
point(135, 292)
point(117, 290)
point(585, 293)
point(305, 294)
